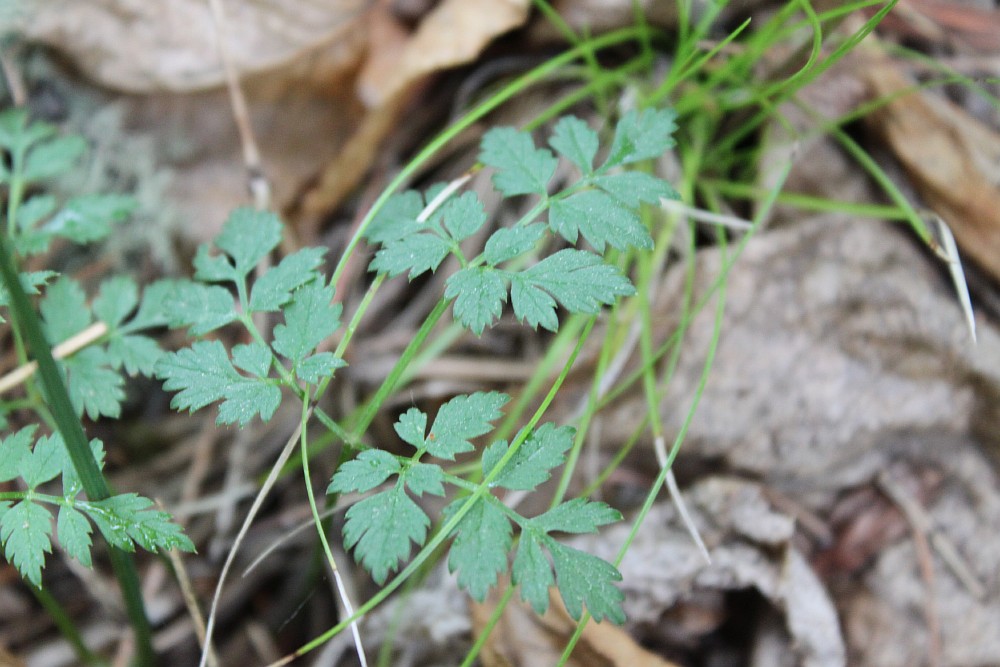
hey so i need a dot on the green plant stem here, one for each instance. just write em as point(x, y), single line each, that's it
point(318, 522)
point(487, 630)
point(389, 384)
point(67, 627)
point(77, 447)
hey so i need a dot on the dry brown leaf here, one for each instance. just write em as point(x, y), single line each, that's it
point(951, 157)
point(453, 33)
point(522, 638)
point(595, 16)
point(960, 25)
point(751, 546)
point(157, 46)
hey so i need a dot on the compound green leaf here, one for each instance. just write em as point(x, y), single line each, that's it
point(128, 519)
point(416, 253)
point(64, 310)
point(35, 209)
point(25, 529)
point(17, 135)
point(587, 580)
point(274, 288)
point(30, 281)
point(479, 552)
point(247, 236)
point(93, 387)
point(138, 354)
point(532, 572)
point(53, 157)
point(371, 468)
point(318, 366)
point(309, 320)
point(532, 304)
point(46, 461)
point(380, 528)
point(116, 298)
point(543, 450)
point(641, 136)
point(397, 218)
point(581, 281)
point(462, 216)
point(521, 167)
point(479, 294)
point(575, 141)
point(73, 531)
point(421, 478)
point(509, 242)
point(461, 419)
point(15, 452)
point(203, 374)
point(632, 188)
point(254, 358)
point(577, 516)
point(90, 218)
point(601, 219)
point(72, 486)
point(158, 300)
point(203, 308)
point(412, 427)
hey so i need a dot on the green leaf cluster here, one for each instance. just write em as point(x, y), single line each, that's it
point(36, 153)
point(248, 379)
point(26, 521)
point(93, 374)
point(601, 208)
point(383, 527)
point(31, 154)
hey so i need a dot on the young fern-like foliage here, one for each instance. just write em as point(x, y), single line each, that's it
point(26, 526)
point(382, 527)
point(249, 378)
point(32, 153)
point(600, 208)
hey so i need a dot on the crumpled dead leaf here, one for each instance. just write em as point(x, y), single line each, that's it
point(750, 544)
point(952, 158)
point(522, 638)
point(839, 340)
point(160, 46)
point(884, 611)
point(453, 33)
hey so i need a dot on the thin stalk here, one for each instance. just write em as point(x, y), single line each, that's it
point(67, 627)
point(318, 522)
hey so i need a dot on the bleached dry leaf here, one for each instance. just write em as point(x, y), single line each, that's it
point(837, 338)
point(453, 33)
point(884, 615)
point(157, 46)
point(751, 548)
